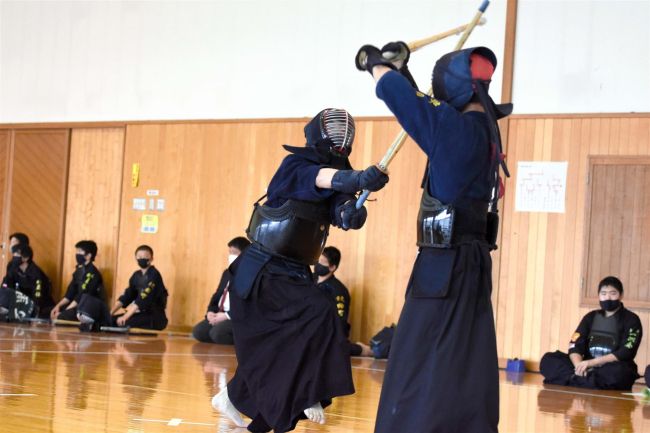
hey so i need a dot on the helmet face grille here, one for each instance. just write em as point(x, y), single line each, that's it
point(338, 126)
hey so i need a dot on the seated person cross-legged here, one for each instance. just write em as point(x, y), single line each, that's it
point(86, 287)
point(26, 276)
point(602, 350)
point(217, 327)
point(143, 303)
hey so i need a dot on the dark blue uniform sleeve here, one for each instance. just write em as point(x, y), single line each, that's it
point(130, 293)
point(419, 114)
point(631, 338)
point(457, 144)
point(296, 179)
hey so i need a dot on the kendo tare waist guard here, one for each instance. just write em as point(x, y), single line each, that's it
point(296, 230)
point(447, 225)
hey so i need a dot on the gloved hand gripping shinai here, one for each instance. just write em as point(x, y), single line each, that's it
point(349, 217)
point(352, 181)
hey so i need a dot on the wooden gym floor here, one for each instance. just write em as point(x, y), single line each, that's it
point(59, 380)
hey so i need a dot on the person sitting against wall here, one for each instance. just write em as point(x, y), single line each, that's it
point(25, 276)
point(331, 286)
point(216, 326)
point(143, 303)
point(86, 282)
point(603, 347)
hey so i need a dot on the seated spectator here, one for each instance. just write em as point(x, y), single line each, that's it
point(143, 303)
point(26, 277)
point(327, 264)
point(216, 327)
point(16, 239)
point(86, 280)
point(602, 349)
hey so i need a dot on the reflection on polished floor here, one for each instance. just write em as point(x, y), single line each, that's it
point(59, 380)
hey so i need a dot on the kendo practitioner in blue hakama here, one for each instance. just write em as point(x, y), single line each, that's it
point(442, 373)
point(292, 352)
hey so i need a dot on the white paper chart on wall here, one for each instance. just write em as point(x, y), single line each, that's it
point(541, 186)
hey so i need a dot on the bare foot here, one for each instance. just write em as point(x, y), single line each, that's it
point(365, 349)
point(316, 414)
point(222, 403)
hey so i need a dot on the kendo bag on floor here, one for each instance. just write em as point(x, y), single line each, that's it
point(380, 343)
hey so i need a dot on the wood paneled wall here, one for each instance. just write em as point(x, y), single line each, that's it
point(5, 147)
point(538, 305)
point(211, 174)
point(37, 192)
point(94, 194)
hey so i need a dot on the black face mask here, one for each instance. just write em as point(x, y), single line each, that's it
point(321, 270)
point(16, 260)
point(143, 263)
point(81, 258)
point(610, 305)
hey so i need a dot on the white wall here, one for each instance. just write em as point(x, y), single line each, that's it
point(125, 60)
point(582, 56)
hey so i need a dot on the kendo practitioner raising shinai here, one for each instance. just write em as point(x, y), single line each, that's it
point(291, 348)
point(442, 373)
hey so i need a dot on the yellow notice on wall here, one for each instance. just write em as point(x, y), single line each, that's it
point(135, 174)
point(149, 224)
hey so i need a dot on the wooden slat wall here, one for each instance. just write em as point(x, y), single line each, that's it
point(538, 306)
point(5, 146)
point(37, 193)
point(619, 227)
point(94, 194)
point(211, 174)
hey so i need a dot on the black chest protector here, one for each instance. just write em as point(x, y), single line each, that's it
point(296, 230)
point(603, 337)
point(446, 225)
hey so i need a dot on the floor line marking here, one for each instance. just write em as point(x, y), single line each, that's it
point(17, 395)
point(174, 422)
point(39, 340)
point(230, 355)
point(562, 391)
point(12, 384)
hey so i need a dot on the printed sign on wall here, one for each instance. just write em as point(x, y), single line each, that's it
point(541, 186)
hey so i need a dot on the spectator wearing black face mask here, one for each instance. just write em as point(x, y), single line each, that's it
point(26, 277)
point(16, 239)
point(603, 347)
point(86, 281)
point(143, 303)
point(327, 264)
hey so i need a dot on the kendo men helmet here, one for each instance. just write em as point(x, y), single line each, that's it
point(332, 128)
point(454, 74)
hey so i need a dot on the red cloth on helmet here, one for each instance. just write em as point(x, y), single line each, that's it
point(481, 67)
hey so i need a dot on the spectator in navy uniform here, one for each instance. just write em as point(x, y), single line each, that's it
point(143, 303)
point(25, 276)
point(86, 281)
point(603, 347)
